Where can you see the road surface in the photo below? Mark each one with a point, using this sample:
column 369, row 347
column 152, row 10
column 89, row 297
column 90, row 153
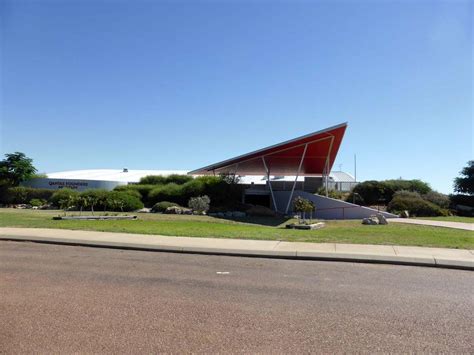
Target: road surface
column 63, row 299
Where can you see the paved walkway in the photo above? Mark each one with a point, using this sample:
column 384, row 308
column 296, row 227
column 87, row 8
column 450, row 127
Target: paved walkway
column 454, row 258
column 427, row 222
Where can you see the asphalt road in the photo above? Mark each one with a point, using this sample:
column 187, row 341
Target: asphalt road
column 66, row 299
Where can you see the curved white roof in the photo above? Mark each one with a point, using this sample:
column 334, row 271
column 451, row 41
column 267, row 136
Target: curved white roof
column 132, row 176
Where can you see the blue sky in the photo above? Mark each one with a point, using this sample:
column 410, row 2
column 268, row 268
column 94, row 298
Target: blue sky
column 179, row 85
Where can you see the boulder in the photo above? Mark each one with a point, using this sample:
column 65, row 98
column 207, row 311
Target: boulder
column 370, row 220
column 405, row 214
column 144, row 210
column 381, row 218
column 178, row 210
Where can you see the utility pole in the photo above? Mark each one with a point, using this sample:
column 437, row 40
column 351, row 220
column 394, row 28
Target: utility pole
column 355, row 167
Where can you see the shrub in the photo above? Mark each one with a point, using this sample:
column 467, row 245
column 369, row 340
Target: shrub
column 374, row 192
column 416, row 206
column 123, row 201
column 219, row 190
column 94, row 199
column 301, row 204
column 37, row 202
column 64, row 198
column 407, row 194
column 414, row 185
column 23, row 194
column 163, row 180
column 437, row 198
column 199, row 204
column 162, row 206
column 143, row 190
column 170, row 192
column 370, row 193
column 339, row 195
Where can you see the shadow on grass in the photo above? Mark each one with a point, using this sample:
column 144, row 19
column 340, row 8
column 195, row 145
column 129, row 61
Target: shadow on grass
column 262, row 221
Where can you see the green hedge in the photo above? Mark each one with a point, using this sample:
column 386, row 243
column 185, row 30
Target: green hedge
column 163, row 180
column 374, row 192
column 22, row 194
column 219, row 191
column 416, row 206
column 143, row 190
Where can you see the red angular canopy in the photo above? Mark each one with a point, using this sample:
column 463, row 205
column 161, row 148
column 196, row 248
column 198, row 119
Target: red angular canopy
column 316, row 152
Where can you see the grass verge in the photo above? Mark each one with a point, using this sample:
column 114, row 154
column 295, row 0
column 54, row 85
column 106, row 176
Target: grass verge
column 251, row 228
column 451, row 219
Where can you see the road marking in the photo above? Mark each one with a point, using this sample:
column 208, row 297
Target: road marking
column 222, row 272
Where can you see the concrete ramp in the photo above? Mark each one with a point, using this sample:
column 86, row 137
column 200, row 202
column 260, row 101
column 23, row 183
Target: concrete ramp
column 328, row 208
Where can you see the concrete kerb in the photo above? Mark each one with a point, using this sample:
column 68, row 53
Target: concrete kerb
column 427, row 261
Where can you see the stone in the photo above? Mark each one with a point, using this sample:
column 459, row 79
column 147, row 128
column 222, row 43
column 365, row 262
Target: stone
column 405, row 214
column 381, row 218
column 178, row 210
column 144, row 210
column 370, row 221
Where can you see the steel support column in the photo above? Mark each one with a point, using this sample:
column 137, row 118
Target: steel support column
column 326, row 167
column 269, row 183
column 296, row 178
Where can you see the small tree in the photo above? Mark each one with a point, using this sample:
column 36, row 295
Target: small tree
column 16, row 168
column 464, row 184
column 302, row 205
column 199, row 204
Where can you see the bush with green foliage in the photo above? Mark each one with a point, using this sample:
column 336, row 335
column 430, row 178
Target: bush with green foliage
column 302, row 205
column 163, row 180
column 37, row 202
column 161, row 207
column 23, row 194
column 220, row 191
column 123, row 201
column 64, row 198
column 143, row 190
column 374, row 192
column 415, row 205
column 199, row 204
column 437, row 198
column 414, row 185
column 169, row 192
column 336, row 194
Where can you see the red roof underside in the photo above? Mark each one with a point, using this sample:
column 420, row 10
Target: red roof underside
column 285, row 158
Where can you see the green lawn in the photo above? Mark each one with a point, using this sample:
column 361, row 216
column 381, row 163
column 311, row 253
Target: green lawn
column 451, row 219
column 251, row 228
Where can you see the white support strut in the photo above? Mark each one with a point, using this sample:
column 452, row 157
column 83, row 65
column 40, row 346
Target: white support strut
column 296, row 178
column 269, row 183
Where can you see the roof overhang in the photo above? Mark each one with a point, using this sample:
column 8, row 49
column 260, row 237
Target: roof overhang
column 311, row 154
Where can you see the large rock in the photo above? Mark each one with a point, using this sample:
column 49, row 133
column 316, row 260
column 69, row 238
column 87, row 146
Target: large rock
column 381, row 218
column 405, row 214
column 178, row 210
column 370, row 220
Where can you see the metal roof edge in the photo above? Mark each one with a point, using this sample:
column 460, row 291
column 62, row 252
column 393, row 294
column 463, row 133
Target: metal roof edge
column 211, row 166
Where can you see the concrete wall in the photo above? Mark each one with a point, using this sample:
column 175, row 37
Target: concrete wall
column 328, row 208
column 79, row 185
